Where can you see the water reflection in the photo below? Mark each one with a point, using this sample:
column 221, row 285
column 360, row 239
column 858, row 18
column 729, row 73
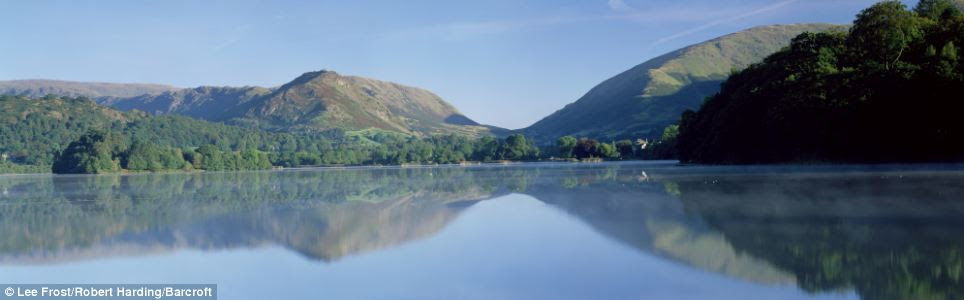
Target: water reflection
column 888, row 235
column 891, row 233
column 323, row 215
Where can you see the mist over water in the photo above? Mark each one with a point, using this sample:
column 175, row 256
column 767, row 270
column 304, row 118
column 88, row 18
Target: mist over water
column 563, row 231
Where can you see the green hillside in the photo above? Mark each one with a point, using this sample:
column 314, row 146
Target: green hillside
column 641, row 101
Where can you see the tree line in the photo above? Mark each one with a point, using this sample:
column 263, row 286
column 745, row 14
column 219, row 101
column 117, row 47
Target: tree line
column 99, row 152
column 77, row 135
column 569, row 147
column 397, row 149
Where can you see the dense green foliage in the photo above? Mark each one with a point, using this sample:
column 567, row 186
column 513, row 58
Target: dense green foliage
column 34, row 131
column 886, row 91
column 93, row 153
column 569, row 147
column 7, row 167
column 395, row 149
column 586, row 148
column 208, row 157
column 104, row 152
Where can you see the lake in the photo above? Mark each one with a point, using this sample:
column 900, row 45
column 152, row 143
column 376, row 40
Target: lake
column 640, row 230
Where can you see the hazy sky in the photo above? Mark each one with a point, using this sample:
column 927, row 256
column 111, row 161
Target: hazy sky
column 501, row 62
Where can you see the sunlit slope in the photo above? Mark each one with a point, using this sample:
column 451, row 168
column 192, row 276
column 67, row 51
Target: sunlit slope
column 315, row 101
column 641, row 101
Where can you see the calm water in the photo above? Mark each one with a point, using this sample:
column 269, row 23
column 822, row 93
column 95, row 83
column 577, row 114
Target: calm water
column 599, row 231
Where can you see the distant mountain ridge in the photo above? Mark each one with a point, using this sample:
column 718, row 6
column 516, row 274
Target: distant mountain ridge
column 641, row 101
column 94, row 90
column 206, row 102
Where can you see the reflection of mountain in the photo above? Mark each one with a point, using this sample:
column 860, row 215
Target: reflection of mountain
column 887, row 235
column 324, row 215
column 359, row 227
column 639, row 213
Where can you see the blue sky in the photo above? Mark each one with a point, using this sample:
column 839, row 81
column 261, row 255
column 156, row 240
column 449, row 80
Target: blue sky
column 501, row 62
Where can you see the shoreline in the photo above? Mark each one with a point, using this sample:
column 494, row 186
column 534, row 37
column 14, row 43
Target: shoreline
column 349, row 167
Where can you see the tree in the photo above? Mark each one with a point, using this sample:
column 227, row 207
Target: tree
column 935, row 9
column 172, row 159
column 515, row 147
column 92, row 153
column 565, row 146
column 670, row 133
column 607, row 150
column 882, row 33
column 586, row 148
column 626, row 149
column 211, row 158
column 488, row 149
column 143, row 156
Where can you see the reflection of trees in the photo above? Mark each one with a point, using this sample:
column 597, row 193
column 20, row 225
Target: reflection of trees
column 329, row 214
column 323, row 214
column 884, row 235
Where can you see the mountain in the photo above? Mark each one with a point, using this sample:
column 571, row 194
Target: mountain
column 325, row 100
column 95, row 90
column 315, row 101
column 641, row 101
column 206, row 102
